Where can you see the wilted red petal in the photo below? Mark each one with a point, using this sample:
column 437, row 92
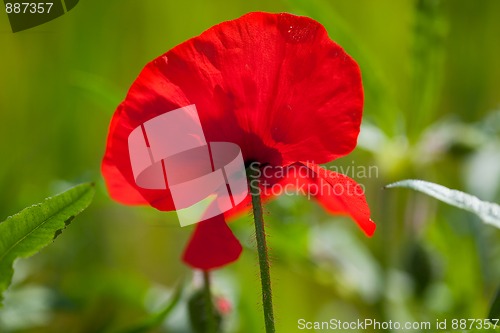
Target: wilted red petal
column 212, row 245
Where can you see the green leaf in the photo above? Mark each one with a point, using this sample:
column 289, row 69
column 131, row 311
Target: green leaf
column 489, row 212
column 159, row 317
column 27, row 232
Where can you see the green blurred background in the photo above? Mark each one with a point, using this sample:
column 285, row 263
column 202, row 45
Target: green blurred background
column 432, row 83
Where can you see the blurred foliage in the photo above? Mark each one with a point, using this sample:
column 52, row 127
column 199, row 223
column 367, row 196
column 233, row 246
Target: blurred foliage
column 203, row 316
column 432, row 85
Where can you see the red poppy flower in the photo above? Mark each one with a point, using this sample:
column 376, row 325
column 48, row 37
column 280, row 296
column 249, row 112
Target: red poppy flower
column 275, row 85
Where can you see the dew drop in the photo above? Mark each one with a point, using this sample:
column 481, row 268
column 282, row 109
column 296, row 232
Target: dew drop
column 302, row 30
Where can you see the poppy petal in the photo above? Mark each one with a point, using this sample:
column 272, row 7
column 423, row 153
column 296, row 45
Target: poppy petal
column 116, row 166
column 341, row 194
column 336, row 192
column 118, row 187
column 121, row 188
column 212, row 245
column 275, row 84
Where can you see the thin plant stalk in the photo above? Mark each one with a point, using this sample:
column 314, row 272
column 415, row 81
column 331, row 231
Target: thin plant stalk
column 260, row 233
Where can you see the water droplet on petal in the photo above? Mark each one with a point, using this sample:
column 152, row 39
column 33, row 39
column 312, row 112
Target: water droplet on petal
column 302, row 30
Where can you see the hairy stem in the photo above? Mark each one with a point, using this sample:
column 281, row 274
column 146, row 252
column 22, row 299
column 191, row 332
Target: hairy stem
column 265, row 276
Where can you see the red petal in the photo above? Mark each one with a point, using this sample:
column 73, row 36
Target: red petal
column 212, row 245
column 118, row 187
column 119, row 181
column 117, row 170
column 341, row 194
column 274, row 84
column 349, row 196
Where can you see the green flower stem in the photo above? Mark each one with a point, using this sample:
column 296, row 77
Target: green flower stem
column 265, row 276
column 209, row 307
